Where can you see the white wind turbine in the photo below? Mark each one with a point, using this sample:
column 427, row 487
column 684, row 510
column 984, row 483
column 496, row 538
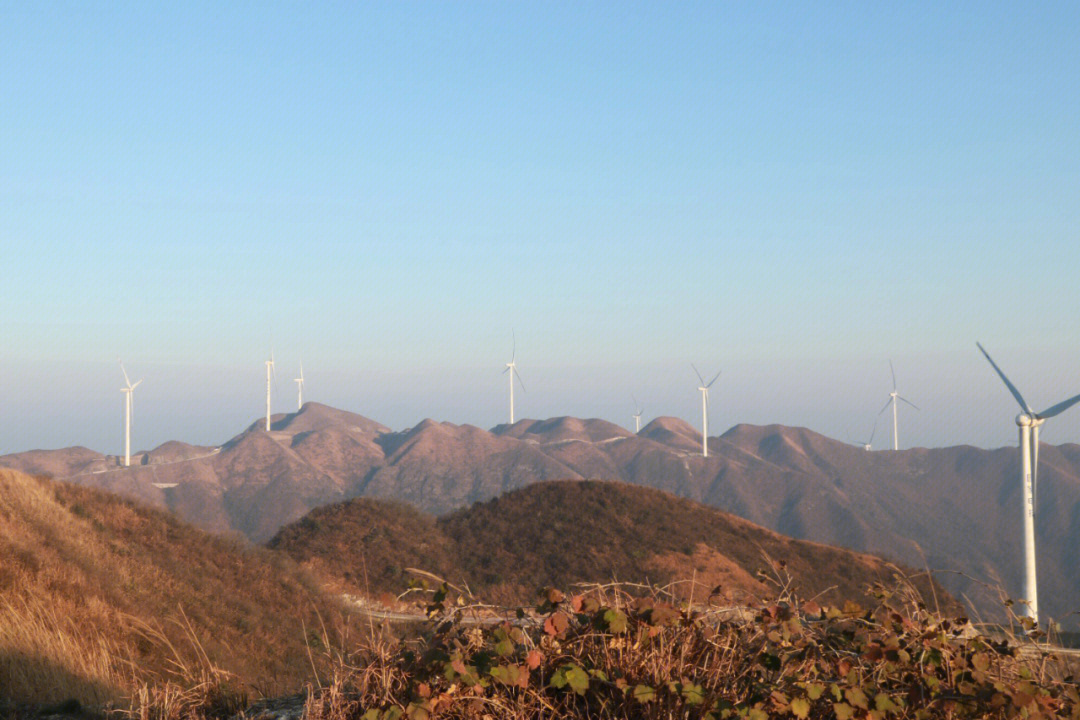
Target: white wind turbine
column 270, row 371
column 300, row 388
column 867, row 445
column 129, row 393
column 704, row 388
column 1029, row 422
column 511, row 367
column 637, row 415
column 893, row 397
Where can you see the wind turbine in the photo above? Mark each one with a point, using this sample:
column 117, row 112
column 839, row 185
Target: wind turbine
column 511, row 367
column 1029, row 422
column 893, row 397
column 866, row 445
column 129, row 393
column 300, row 388
column 704, row 388
column 270, row 370
column 637, row 415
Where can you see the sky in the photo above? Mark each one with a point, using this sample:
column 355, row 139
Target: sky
column 392, row 192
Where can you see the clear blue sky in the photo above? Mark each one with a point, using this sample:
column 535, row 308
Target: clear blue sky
column 792, row 193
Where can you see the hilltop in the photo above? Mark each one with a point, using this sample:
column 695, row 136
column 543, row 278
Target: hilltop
column 566, row 532
column 945, row 508
column 94, row 589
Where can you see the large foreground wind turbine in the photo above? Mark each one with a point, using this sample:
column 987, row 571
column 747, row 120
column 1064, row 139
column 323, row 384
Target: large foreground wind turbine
column 300, row 388
column 270, row 370
column 704, row 388
column 637, row 415
column 511, row 367
column 129, row 393
column 1029, row 421
column 893, row 397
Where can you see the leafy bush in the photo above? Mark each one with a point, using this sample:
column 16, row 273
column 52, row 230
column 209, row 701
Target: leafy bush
column 616, row 652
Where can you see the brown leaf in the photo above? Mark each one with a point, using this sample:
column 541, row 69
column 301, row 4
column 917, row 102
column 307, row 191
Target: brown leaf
column 556, row 624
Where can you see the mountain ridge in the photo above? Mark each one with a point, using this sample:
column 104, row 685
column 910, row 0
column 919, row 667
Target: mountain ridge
column 952, row 508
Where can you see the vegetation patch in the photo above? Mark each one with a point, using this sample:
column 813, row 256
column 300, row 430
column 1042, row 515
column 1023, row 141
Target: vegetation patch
column 616, row 652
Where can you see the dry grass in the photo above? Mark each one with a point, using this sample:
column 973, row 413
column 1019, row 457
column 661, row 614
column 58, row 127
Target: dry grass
column 40, row 649
column 99, row 596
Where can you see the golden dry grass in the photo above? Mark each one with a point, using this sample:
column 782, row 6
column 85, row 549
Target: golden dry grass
column 99, row 595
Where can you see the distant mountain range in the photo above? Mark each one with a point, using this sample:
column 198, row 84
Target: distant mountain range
column 954, row 508
column 560, row 533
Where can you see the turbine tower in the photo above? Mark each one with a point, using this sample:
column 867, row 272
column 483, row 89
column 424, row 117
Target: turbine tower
column 704, row 388
column 270, row 370
column 300, row 388
column 637, row 415
column 511, row 367
column 1029, row 421
column 893, row 397
column 129, row 393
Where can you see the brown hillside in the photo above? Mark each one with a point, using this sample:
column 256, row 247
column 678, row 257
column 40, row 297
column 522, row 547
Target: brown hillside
column 564, row 532
column 86, row 577
column 363, row 546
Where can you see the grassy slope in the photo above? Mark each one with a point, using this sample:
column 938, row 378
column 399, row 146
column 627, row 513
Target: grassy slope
column 93, row 589
column 364, row 545
column 559, row 533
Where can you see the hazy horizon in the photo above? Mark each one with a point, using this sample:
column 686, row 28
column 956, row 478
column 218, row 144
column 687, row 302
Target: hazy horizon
column 791, row 195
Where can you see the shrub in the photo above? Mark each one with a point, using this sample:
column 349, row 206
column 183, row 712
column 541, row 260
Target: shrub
column 614, row 651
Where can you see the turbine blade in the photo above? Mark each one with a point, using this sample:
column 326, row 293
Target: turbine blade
column 698, row 374
column 513, row 355
column 898, row 397
column 887, row 403
column 136, row 383
column 891, row 370
column 126, row 379
column 873, row 432
column 520, row 381
column 506, row 370
column 1059, row 408
column 713, row 380
column 1012, row 388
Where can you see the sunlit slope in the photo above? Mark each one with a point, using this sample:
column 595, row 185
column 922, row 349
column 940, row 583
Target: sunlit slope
column 92, row 586
column 566, row 532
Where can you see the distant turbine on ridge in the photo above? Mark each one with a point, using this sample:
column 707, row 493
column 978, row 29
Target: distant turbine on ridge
column 300, row 388
column 129, row 408
column 637, row 415
column 270, row 370
column 511, row 367
column 704, row 388
column 893, row 397
column 1029, row 421
column 866, row 445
